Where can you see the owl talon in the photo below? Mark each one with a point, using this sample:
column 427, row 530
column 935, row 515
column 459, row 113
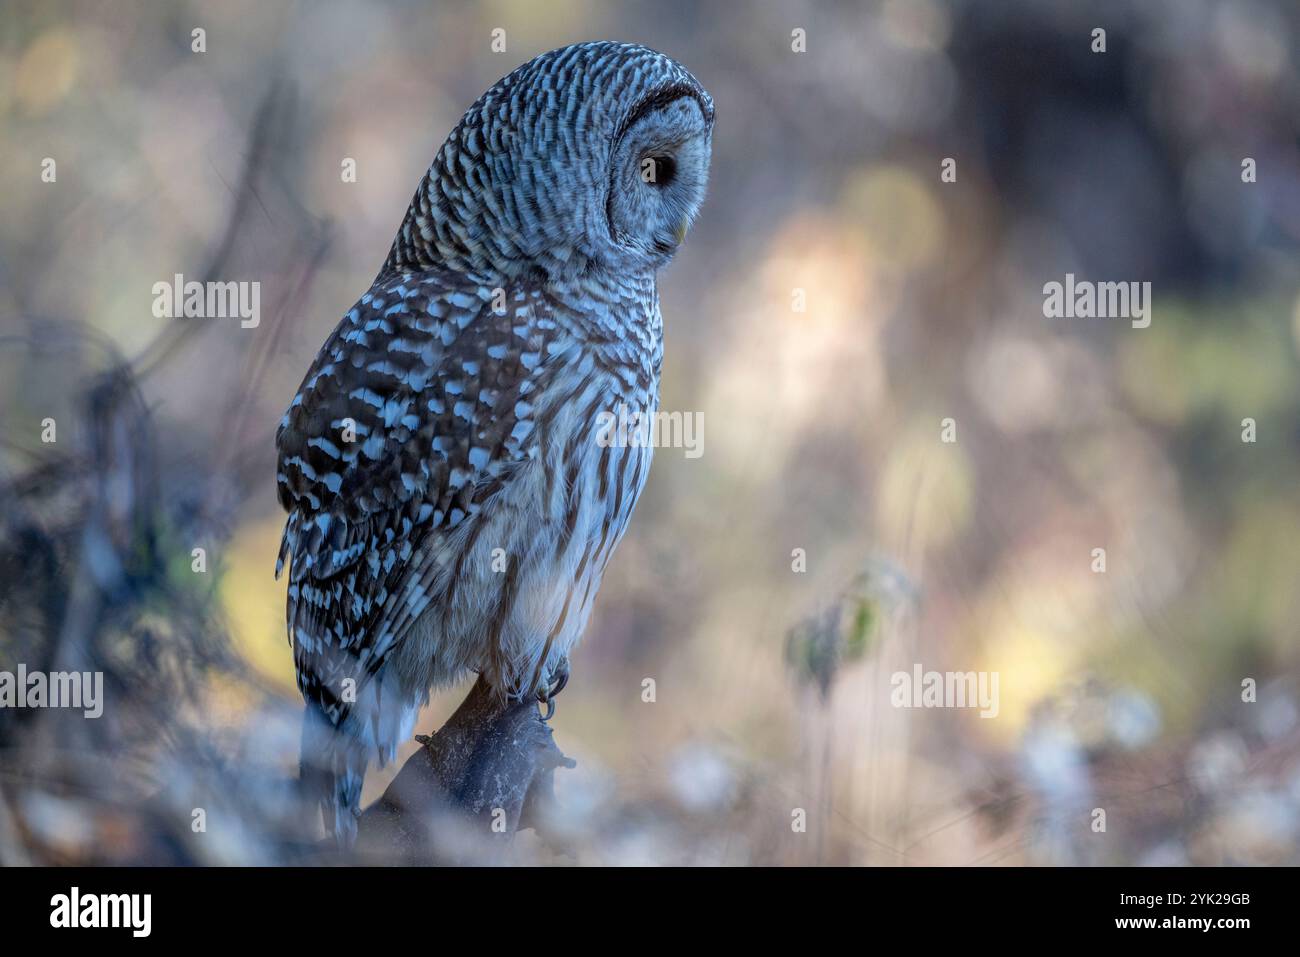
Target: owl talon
column 559, row 679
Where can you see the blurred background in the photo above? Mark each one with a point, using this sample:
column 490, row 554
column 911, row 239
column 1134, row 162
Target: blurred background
column 922, row 301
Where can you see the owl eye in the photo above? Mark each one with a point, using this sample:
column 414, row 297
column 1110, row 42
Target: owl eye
column 658, row 170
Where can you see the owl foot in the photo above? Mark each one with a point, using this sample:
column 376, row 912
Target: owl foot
column 559, row 677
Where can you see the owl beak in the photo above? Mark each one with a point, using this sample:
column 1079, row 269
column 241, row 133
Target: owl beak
column 680, row 232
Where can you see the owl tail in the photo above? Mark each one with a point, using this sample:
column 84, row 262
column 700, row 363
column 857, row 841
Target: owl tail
column 331, row 770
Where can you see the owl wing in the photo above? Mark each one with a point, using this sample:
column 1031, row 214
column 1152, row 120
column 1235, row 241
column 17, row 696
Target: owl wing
column 414, row 413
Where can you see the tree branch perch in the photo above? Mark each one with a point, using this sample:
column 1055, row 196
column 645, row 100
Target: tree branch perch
column 486, row 774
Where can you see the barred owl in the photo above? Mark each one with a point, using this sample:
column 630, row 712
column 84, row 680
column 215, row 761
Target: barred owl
column 451, row 504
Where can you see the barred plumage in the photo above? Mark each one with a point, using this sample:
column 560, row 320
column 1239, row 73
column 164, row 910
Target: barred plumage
column 450, row 506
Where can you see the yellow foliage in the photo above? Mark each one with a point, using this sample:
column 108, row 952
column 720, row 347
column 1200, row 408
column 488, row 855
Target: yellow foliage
column 253, row 600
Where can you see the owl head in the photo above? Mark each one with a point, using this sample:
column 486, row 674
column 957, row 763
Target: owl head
column 591, row 157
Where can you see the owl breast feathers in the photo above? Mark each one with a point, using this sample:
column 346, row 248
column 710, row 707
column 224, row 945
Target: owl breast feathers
column 451, row 506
